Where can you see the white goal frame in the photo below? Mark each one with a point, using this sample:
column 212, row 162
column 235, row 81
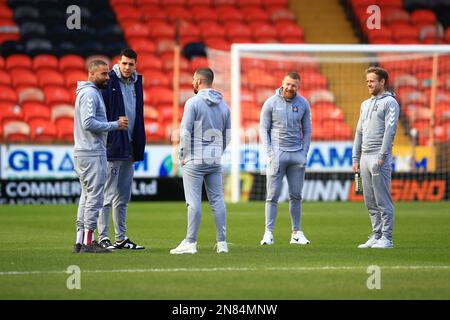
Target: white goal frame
column 238, row 49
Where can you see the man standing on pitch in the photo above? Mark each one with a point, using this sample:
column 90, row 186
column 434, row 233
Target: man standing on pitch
column 285, row 132
column 372, row 155
column 123, row 97
column 204, row 135
column 90, row 131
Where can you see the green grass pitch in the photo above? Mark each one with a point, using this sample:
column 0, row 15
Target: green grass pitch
column 36, row 244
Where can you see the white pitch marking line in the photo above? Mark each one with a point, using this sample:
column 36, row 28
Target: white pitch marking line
column 161, row 270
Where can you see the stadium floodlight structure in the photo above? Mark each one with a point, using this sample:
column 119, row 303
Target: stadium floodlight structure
column 326, row 54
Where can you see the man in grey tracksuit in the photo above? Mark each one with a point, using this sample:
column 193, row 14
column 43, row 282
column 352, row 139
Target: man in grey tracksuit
column 372, row 156
column 204, row 135
column 90, row 130
column 285, row 131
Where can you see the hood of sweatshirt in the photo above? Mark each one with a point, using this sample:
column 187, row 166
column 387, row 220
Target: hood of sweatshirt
column 211, row 96
column 279, row 92
column 116, row 69
column 384, row 95
column 85, row 84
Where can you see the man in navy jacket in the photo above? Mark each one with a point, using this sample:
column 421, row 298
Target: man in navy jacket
column 123, row 98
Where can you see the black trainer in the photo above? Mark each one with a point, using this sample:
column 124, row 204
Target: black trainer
column 127, row 244
column 105, row 243
column 76, row 248
column 95, row 247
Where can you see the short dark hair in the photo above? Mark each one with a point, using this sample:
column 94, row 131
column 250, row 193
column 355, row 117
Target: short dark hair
column 207, row 74
column 381, row 74
column 94, row 64
column 293, row 75
column 129, row 53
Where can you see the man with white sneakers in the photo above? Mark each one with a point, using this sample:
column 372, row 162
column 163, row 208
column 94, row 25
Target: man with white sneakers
column 372, row 156
column 204, row 135
column 285, row 131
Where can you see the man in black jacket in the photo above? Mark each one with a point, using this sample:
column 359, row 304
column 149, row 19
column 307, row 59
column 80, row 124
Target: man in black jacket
column 123, row 98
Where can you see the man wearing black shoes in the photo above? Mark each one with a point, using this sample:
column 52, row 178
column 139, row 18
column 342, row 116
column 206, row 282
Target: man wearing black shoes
column 123, row 97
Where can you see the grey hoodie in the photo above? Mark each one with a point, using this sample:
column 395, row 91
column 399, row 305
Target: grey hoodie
column 376, row 127
column 285, row 124
column 90, row 122
column 205, row 128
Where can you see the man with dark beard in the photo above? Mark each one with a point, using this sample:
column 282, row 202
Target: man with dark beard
column 90, row 132
column 204, row 135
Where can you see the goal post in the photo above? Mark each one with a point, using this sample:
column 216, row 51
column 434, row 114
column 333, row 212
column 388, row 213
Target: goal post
column 334, row 61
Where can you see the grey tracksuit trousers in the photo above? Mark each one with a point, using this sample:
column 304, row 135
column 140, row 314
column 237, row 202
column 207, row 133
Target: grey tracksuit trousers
column 292, row 164
column 193, row 177
column 376, row 183
column 92, row 174
column 117, row 195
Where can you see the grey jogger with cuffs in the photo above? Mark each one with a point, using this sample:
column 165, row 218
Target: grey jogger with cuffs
column 123, row 97
column 372, row 156
column 285, row 131
column 90, row 132
column 204, row 135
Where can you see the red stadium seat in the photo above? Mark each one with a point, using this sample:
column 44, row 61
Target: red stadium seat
column 254, row 14
column 152, row 13
column 35, row 110
column 50, row 77
column 150, row 114
column 155, row 78
column 174, row 2
column 236, row 30
column 177, row 12
column 406, row 34
column 42, row 130
column 136, row 30
column 149, row 61
column 160, row 95
column 390, row 4
column 18, row 61
column 142, row 46
column 197, row 3
column 161, row 30
column 30, row 95
column 7, row 94
column 252, row 3
column 23, row 78
column 263, row 30
column 62, row 111
column 198, row 62
column 281, row 15
column 211, row 30
column 378, row 36
column 64, row 128
column 56, row 95
column 230, row 14
column 146, row 2
column 10, row 112
column 2, row 62
column 71, row 61
column 168, row 61
column 423, row 17
column 222, row 3
column 45, row 61
column 128, row 14
column 154, row 131
column 219, row 44
column 72, row 77
column 16, row 131
column 5, row 79
column 204, row 14
column 189, row 32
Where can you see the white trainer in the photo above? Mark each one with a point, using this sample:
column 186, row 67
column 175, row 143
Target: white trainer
column 369, row 243
column 267, row 238
column 222, row 247
column 185, row 247
column 383, row 243
column 299, row 238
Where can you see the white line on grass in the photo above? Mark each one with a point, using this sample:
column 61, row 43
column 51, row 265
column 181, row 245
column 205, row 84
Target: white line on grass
column 168, row 270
